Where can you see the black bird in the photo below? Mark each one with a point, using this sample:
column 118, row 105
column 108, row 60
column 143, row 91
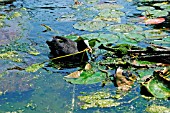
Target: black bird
column 61, row 46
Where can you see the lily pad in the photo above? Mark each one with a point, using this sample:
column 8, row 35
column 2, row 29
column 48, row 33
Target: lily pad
column 91, row 1
column 108, row 6
column 124, row 28
column 155, row 34
column 87, row 77
column 166, row 7
column 110, row 15
column 145, row 8
column 156, row 13
column 90, row 25
column 103, row 38
column 133, row 37
column 158, row 86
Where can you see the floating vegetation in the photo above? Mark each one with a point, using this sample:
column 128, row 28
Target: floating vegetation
column 87, row 77
column 34, row 67
column 124, row 28
column 145, row 8
column 90, row 25
column 109, row 15
column 11, row 55
column 98, row 99
column 108, row 6
column 33, row 51
column 157, row 85
column 157, row 109
column 102, row 37
column 155, row 13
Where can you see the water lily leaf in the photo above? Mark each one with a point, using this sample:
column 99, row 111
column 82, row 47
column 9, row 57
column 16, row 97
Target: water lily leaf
column 160, row 4
column 166, row 7
column 108, row 6
column 110, row 15
column 91, row 1
column 87, row 77
column 145, row 8
column 34, row 67
column 133, row 37
column 124, row 28
column 89, row 25
column 156, row 13
column 103, row 38
column 155, row 34
column 157, row 86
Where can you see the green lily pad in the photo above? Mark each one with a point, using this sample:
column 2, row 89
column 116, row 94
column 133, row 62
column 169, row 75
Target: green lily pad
column 159, row 4
column 87, row 77
column 90, row 25
column 166, row 7
column 108, row 6
column 124, row 28
column 110, row 15
column 158, row 86
column 145, row 8
column 155, row 34
column 133, row 37
column 103, row 38
column 91, row 1
column 156, row 13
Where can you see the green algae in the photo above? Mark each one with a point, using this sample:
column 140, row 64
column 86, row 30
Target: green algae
column 157, row 109
column 98, row 99
column 11, row 55
column 34, row 67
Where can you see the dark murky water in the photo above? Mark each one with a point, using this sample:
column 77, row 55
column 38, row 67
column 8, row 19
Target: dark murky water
column 45, row 90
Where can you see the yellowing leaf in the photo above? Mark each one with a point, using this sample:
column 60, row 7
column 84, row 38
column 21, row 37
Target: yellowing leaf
column 75, row 74
column 88, row 66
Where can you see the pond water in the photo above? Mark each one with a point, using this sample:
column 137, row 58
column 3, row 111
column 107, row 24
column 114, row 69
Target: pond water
column 45, row 91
